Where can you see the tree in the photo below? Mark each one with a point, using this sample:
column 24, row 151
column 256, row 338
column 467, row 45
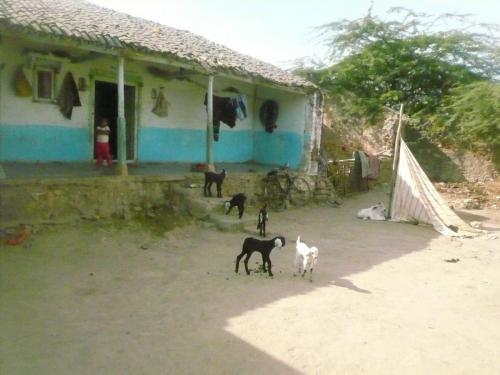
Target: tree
column 470, row 118
column 409, row 59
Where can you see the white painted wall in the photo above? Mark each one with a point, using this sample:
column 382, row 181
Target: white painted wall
column 23, row 111
column 292, row 110
column 186, row 99
column 186, row 109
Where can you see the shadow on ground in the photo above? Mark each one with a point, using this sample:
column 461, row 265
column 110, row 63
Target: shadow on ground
column 100, row 299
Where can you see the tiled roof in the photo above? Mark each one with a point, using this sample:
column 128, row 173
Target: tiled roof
column 89, row 23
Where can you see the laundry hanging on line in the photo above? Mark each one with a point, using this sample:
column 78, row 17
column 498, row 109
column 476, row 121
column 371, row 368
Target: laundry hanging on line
column 241, row 106
column 227, row 110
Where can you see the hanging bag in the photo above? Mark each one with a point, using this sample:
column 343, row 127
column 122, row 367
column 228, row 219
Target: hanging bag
column 22, row 87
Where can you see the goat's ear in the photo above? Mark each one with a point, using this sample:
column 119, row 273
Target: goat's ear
column 278, row 243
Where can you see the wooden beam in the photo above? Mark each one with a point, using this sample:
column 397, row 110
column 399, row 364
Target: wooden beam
column 196, row 69
column 122, row 126
column 210, row 123
column 395, row 161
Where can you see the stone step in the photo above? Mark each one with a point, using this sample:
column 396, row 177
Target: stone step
column 211, row 211
column 231, row 223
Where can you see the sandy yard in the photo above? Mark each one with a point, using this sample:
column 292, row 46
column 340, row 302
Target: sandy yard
column 99, row 299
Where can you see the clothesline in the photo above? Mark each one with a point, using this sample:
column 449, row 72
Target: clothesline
column 223, row 91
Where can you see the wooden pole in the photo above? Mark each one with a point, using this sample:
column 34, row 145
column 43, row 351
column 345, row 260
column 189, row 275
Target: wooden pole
column 2, row 172
column 395, row 161
column 122, row 126
column 312, row 134
column 210, row 121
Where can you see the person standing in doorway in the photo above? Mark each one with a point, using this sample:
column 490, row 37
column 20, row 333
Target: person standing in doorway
column 102, row 132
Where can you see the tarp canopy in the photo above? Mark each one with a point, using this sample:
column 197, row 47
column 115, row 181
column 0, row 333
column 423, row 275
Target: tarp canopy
column 415, row 199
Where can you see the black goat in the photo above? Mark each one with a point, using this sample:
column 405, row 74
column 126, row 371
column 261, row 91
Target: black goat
column 263, row 218
column 237, row 201
column 264, row 247
column 210, row 178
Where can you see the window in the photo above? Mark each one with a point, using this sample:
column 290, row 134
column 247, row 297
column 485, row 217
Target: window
column 44, row 89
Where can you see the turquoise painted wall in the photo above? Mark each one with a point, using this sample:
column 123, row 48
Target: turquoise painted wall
column 58, row 143
column 31, row 131
column 44, row 143
column 188, row 145
column 278, row 148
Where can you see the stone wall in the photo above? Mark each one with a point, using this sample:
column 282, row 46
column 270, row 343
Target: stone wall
column 341, row 136
column 65, row 200
column 61, row 200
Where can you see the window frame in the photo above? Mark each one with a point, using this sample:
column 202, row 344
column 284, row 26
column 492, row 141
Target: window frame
column 52, row 72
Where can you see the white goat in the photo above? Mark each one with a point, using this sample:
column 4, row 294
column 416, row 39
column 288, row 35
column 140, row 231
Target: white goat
column 305, row 258
column 377, row 212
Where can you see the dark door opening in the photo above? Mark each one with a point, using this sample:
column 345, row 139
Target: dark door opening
column 106, row 106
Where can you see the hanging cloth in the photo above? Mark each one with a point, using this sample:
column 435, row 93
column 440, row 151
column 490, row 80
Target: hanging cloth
column 241, row 106
column 160, row 108
column 68, row 96
column 224, row 109
column 22, row 86
column 359, row 172
column 416, row 198
column 365, row 164
column 269, row 112
column 374, row 168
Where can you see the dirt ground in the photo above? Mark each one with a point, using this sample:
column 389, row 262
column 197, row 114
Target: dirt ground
column 100, row 299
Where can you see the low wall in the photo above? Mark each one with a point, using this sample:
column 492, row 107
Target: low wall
column 65, row 200
column 71, row 200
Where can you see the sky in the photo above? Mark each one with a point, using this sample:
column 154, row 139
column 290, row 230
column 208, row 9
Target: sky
column 281, row 31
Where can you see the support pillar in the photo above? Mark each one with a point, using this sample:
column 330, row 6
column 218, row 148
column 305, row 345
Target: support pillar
column 2, row 172
column 313, row 126
column 210, row 128
column 121, row 123
column 395, row 160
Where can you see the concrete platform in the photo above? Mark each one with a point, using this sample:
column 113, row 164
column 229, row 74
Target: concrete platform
column 14, row 170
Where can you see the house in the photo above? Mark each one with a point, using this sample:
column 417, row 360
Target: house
column 151, row 82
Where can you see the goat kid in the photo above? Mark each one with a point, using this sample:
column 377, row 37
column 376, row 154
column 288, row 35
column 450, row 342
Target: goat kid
column 210, row 178
column 264, row 247
column 305, row 258
column 261, row 223
column 237, row 201
column 376, row 212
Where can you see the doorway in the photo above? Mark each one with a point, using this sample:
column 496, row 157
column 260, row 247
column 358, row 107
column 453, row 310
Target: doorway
column 106, row 106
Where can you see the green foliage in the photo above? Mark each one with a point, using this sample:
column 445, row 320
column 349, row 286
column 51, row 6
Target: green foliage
column 410, row 59
column 383, row 63
column 388, row 74
column 417, row 34
column 469, row 117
